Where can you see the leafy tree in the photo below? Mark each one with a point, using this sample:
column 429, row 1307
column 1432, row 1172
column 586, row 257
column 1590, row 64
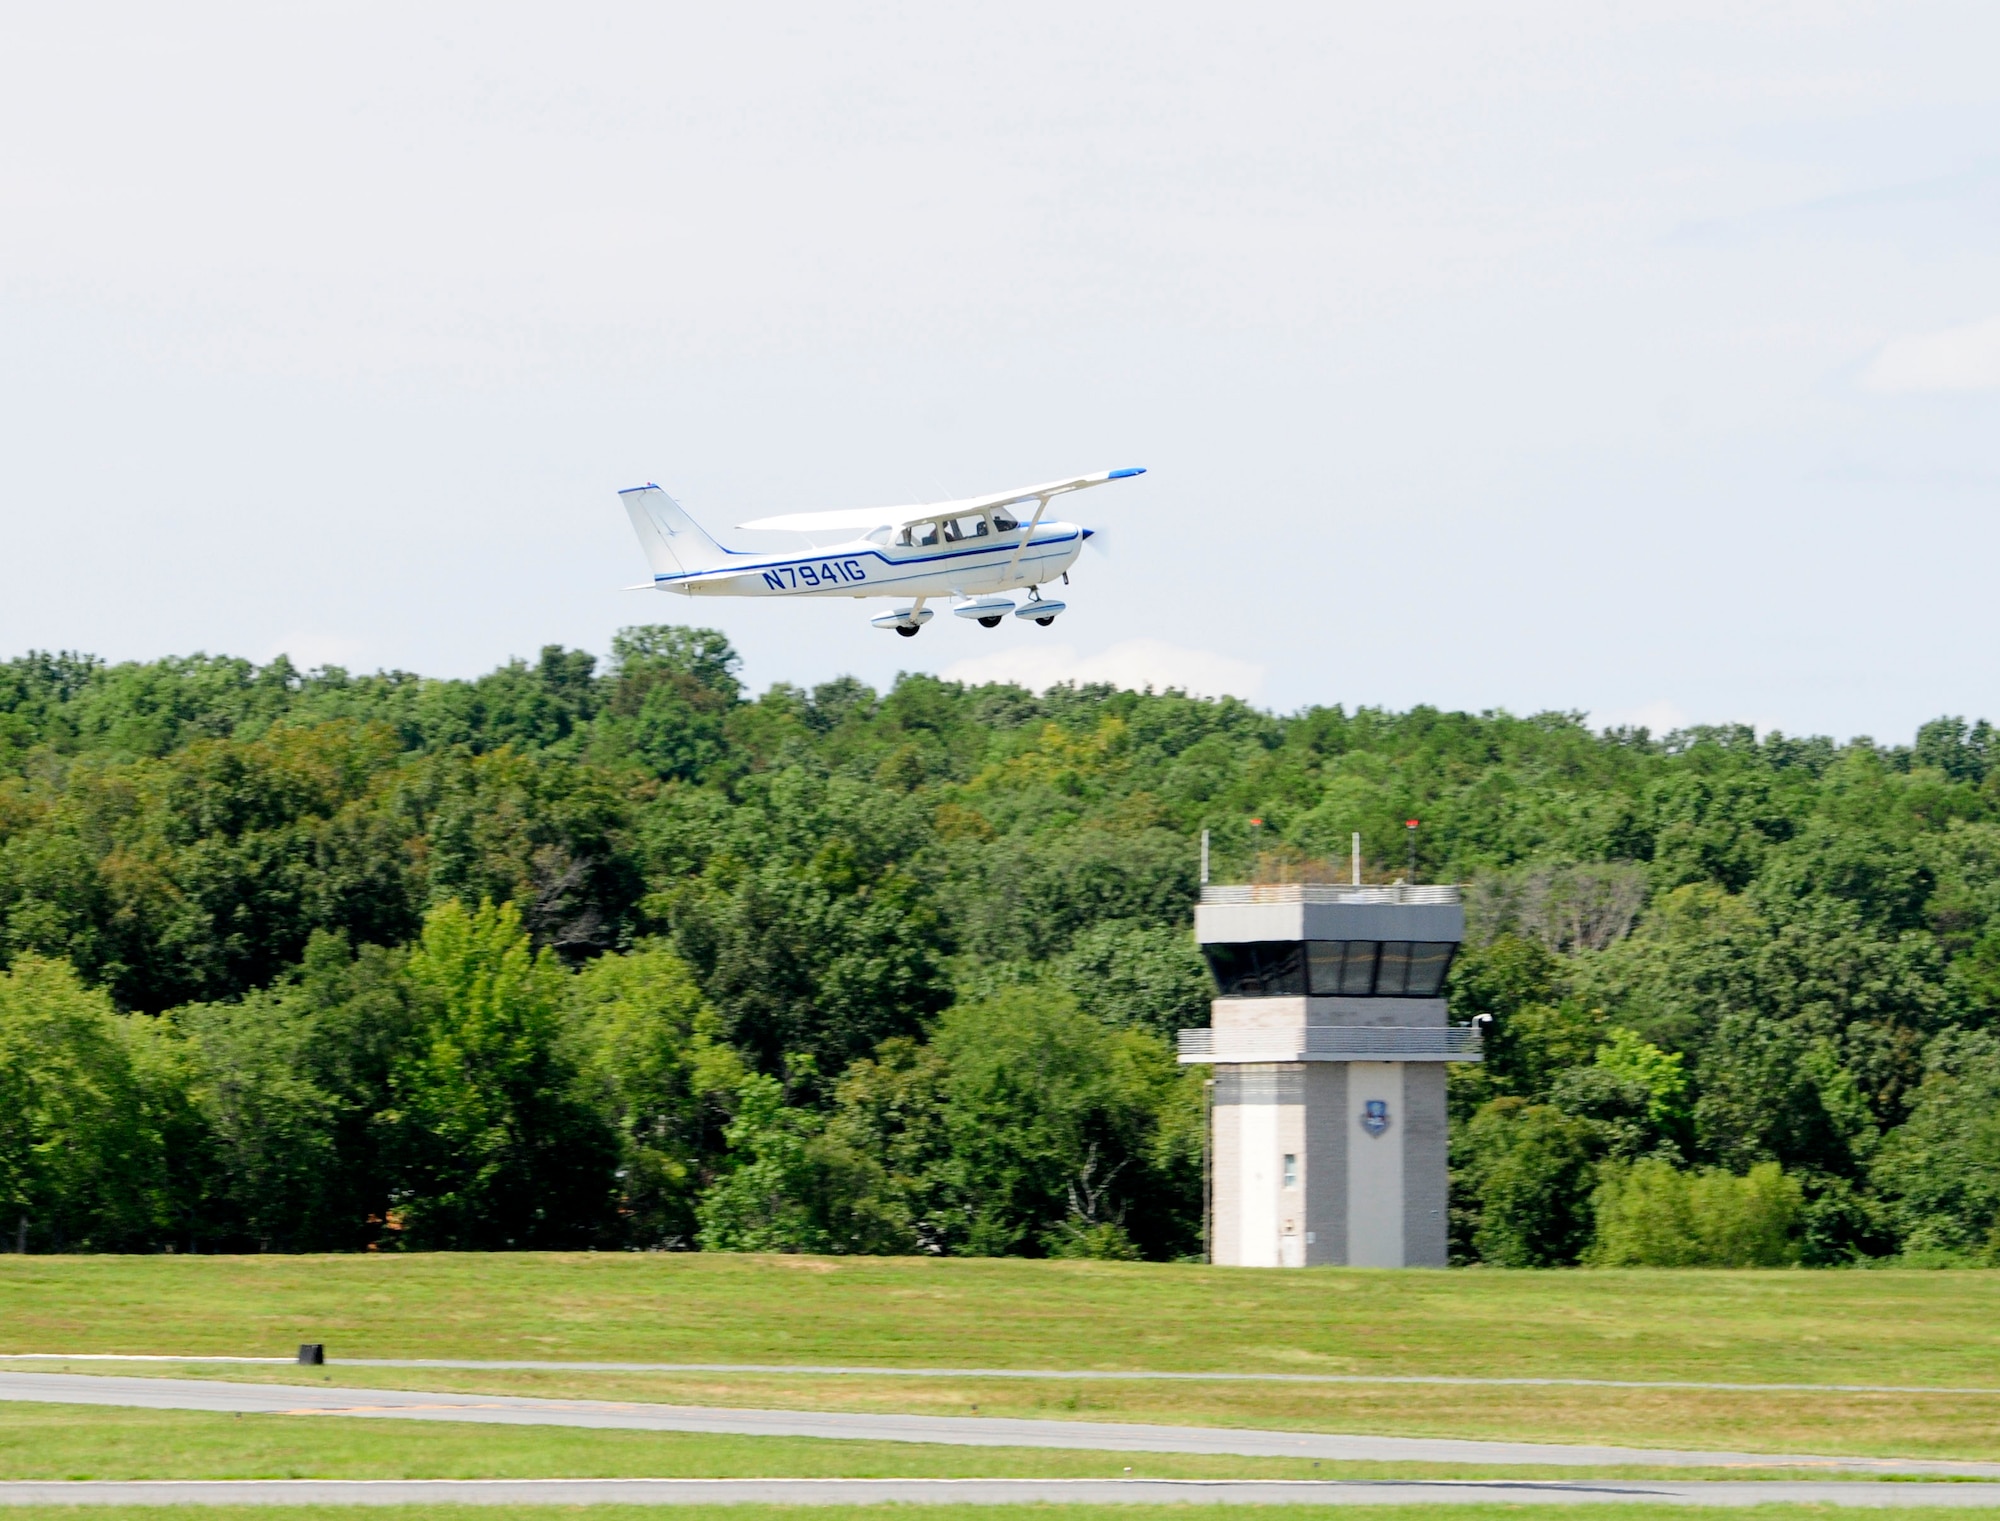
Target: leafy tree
column 824, row 960
column 83, row 1142
column 885, row 1173
column 1131, row 972
column 1662, row 1074
column 1522, row 1179
column 1715, row 826
column 1974, row 978
column 1710, row 948
column 1964, row 755
column 1772, row 1094
column 361, row 1018
column 546, row 835
column 767, row 1201
column 494, row 1146
column 671, row 689
column 1649, row 1214
column 1053, row 1122
column 645, row 1045
column 271, row 1129
column 1940, row 1173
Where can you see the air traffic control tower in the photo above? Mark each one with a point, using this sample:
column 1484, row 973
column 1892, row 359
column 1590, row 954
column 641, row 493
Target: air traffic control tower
column 1329, row 1038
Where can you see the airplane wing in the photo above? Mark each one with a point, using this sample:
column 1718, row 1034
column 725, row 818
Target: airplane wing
column 1034, row 493
column 862, row 520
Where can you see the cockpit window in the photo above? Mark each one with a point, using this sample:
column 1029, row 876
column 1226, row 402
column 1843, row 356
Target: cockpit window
column 1005, row 522
column 926, row 533
column 956, row 529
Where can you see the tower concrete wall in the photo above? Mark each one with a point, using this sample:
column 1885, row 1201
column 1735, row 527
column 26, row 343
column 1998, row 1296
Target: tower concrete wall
column 1426, row 1167
column 1329, row 1133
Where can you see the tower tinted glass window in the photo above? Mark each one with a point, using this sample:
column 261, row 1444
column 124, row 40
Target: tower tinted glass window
column 1258, row 969
column 1392, row 973
column 1429, row 961
column 1357, row 974
column 1330, row 968
column 1342, row 968
column 1281, row 967
column 1323, row 958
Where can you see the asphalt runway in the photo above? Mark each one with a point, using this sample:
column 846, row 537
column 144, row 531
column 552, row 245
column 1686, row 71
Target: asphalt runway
column 975, row 1492
column 862, row 1370
column 961, row 1431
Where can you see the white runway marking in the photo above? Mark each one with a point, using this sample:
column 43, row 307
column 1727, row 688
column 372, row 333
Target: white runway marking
column 960, row 1431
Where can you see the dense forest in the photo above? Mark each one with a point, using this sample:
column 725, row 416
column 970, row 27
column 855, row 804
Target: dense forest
column 614, row 955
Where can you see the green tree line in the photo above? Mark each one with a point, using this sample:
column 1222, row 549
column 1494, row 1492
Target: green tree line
column 615, row 954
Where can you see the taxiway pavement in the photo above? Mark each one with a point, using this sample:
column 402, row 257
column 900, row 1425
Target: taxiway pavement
column 325, row 1399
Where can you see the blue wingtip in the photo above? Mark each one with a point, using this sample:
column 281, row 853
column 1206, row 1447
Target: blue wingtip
column 1119, row 475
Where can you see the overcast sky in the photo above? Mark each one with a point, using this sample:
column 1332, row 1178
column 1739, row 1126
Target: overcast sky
column 1642, row 360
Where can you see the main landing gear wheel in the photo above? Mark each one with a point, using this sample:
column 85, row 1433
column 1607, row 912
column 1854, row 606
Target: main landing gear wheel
column 993, row 622
column 1042, row 622
column 904, row 620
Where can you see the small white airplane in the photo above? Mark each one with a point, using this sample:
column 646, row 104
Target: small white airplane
column 972, row 551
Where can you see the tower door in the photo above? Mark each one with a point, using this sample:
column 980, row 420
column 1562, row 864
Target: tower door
column 1291, row 1246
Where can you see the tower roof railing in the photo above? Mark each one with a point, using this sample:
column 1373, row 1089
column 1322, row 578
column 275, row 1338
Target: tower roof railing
column 1338, row 1043
column 1330, row 892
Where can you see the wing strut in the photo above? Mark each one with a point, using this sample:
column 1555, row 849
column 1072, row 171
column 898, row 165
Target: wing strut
column 1041, row 506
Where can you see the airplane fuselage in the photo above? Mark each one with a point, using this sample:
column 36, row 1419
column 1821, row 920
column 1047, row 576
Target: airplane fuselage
column 864, row 568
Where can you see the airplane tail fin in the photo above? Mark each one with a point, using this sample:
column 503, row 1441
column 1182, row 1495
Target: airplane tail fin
column 675, row 544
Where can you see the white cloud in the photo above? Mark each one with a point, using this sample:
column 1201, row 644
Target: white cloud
column 1134, row 663
column 1956, row 359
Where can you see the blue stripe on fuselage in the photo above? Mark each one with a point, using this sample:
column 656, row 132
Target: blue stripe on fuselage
column 916, row 563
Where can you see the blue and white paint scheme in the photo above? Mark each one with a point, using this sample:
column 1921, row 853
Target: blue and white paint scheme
column 974, row 552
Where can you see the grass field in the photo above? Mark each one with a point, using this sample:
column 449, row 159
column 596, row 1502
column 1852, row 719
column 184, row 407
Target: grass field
column 1916, row 1328
column 1940, row 1328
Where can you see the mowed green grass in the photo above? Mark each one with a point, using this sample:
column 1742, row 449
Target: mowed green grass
column 1915, row 1328
column 1932, row 1328
column 84, row 1442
